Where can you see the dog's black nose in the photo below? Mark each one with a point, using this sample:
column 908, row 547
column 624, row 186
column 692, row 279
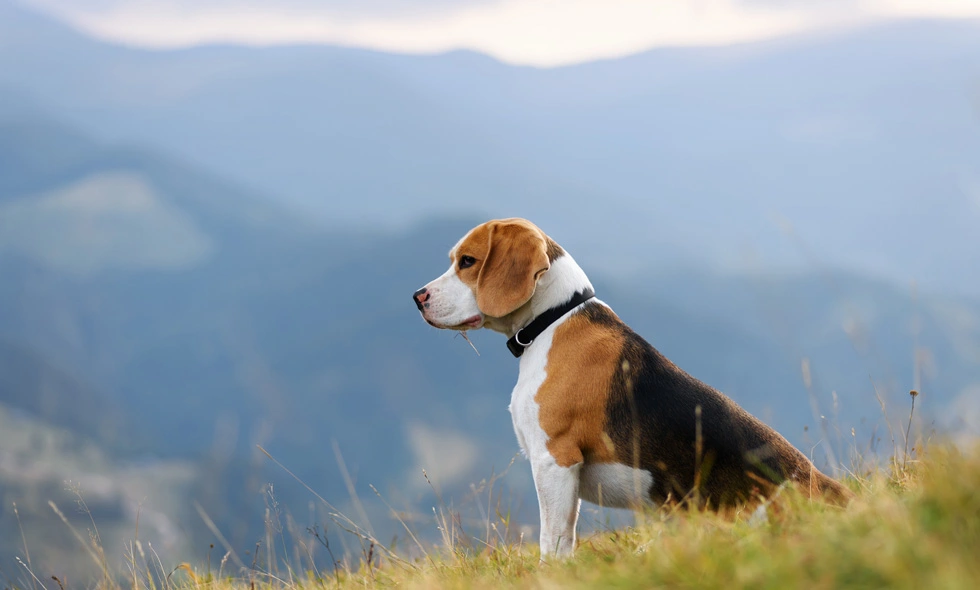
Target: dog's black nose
column 420, row 297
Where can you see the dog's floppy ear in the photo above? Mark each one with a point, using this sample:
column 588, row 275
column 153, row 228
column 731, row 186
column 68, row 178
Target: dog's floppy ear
column 516, row 258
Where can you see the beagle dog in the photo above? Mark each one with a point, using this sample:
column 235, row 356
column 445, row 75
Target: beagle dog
column 600, row 413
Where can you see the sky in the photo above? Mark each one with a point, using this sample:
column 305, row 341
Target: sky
column 530, row 32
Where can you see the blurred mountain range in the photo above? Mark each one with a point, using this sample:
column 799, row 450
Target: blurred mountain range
column 863, row 142
column 206, row 250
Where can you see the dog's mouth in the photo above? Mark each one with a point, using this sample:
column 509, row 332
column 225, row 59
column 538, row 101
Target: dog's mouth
column 469, row 324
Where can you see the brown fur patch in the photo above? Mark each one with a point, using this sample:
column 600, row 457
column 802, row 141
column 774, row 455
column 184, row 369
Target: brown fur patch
column 553, row 249
column 511, row 255
column 572, row 400
column 477, row 245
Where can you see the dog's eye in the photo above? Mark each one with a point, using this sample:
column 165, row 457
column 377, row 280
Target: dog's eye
column 466, row 261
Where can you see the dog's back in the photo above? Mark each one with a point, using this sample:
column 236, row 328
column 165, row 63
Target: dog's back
column 695, row 441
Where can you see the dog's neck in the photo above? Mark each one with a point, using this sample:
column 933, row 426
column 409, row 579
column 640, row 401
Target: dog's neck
column 555, row 287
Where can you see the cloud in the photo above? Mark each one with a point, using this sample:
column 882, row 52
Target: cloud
column 533, row 32
column 538, row 32
column 797, row 3
column 345, row 9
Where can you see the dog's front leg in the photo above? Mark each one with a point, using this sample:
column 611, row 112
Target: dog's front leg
column 558, row 502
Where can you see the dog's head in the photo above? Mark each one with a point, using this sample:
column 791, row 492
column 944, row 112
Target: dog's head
column 493, row 273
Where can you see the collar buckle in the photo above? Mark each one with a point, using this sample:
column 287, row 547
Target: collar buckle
column 517, row 339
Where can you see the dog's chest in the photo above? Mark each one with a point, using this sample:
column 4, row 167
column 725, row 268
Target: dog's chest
column 524, row 407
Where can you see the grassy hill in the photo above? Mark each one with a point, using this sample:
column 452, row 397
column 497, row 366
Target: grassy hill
column 913, row 524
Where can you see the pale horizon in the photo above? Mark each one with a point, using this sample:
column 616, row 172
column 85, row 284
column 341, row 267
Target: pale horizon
column 541, row 33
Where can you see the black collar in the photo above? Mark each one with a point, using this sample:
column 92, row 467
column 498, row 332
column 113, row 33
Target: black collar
column 526, row 335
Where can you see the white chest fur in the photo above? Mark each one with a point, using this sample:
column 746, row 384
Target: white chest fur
column 523, row 407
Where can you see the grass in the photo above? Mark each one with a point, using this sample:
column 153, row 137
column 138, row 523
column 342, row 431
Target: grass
column 914, row 524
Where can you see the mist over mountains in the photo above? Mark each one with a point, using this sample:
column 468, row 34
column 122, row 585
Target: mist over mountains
column 209, row 249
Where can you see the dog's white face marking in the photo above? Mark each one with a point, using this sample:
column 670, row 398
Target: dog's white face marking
column 451, row 303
